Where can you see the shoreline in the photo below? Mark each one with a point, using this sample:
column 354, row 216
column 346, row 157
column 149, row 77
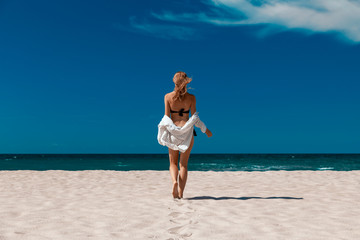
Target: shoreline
column 107, row 204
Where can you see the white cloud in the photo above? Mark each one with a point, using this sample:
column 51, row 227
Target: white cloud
column 341, row 16
column 166, row 31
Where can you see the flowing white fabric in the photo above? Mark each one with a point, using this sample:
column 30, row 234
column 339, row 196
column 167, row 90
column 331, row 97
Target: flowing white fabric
column 178, row 138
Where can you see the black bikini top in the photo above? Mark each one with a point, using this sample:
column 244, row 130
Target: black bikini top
column 180, row 112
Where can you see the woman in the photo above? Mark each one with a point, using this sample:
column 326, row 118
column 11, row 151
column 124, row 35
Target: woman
column 177, row 132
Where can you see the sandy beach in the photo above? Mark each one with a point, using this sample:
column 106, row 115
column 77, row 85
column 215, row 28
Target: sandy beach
column 102, row 205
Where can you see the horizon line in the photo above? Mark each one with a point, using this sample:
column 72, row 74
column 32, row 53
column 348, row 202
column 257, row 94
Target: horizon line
column 163, row 153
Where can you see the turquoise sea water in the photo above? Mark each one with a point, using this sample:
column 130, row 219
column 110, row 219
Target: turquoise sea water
column 197, row 162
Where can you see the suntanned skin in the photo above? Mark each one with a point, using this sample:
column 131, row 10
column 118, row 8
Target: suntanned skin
column 188, row 102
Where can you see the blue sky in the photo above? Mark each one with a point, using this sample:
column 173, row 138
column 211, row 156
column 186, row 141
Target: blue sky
column 90, row 77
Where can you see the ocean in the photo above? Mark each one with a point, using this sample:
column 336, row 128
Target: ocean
column 197, row 162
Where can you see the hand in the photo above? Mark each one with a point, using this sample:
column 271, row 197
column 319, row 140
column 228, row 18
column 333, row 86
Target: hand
column 208, row 133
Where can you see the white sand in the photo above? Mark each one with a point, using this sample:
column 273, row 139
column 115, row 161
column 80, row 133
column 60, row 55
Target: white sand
column 102, row 205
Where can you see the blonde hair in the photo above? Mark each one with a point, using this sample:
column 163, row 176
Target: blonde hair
column 181, row 80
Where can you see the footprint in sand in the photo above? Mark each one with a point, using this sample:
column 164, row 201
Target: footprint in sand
column 181, row 217
column 174, row 214
column 175, row 230
column 178, row 230
column 186, row 235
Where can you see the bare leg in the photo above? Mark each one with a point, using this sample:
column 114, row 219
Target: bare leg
column 174, row 158
column 184, row 157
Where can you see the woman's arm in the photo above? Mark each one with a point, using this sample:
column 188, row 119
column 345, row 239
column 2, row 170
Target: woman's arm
column 193, row 110
column 208, row 132
column 193, row 105
column 167, row 106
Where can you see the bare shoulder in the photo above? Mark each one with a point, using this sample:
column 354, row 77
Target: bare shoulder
column 168, row 95
column 192, row 97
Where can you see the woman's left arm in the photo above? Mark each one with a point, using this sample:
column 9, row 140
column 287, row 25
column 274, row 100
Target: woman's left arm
column 167, row 106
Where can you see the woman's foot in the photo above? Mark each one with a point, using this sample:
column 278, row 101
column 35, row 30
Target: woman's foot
column 180, row 194
column 175, row 190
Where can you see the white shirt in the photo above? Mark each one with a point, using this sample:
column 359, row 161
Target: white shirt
column 178, row 138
